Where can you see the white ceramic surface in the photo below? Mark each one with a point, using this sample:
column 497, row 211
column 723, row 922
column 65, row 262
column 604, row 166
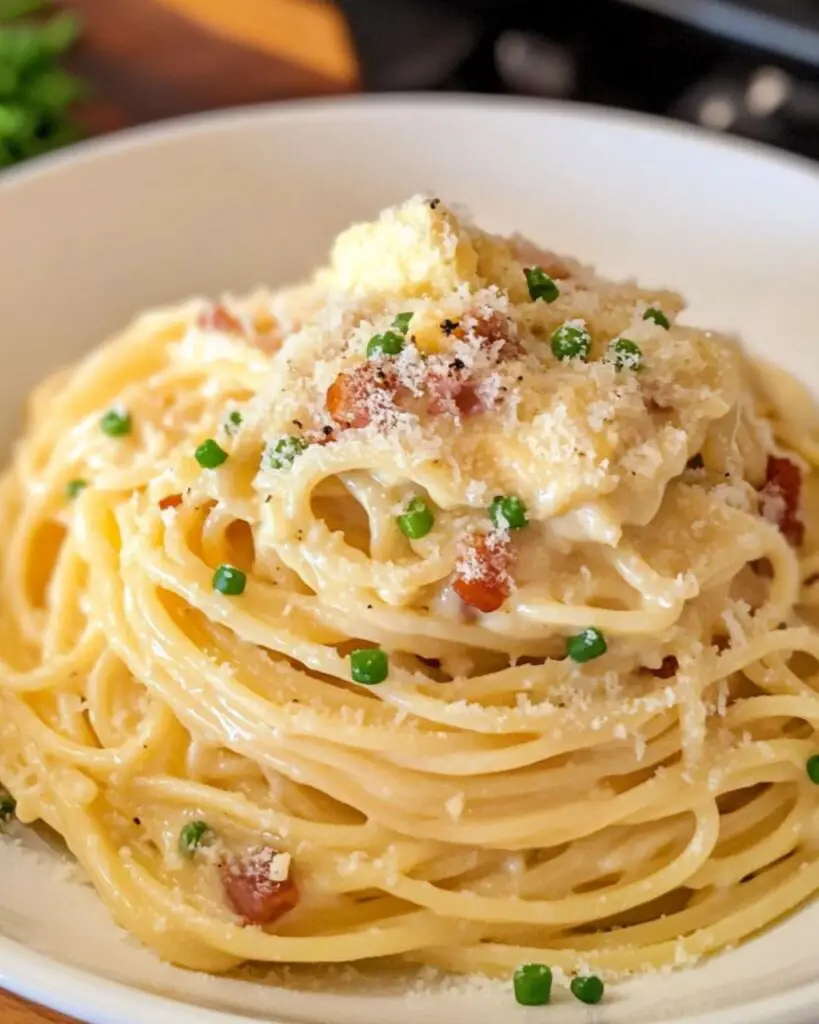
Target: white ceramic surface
column 232, row 200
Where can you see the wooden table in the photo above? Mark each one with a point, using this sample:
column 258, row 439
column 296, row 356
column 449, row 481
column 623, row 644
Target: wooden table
column 15, row 1011
column 149, row 59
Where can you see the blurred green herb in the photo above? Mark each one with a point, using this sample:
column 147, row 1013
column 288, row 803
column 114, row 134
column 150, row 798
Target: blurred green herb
column 36, row 95
column 17, row 8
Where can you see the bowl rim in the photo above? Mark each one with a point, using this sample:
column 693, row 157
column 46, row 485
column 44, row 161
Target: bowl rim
column 95, row 999
column 141, row 136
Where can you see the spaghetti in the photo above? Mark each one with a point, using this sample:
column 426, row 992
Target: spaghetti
column 455, row 606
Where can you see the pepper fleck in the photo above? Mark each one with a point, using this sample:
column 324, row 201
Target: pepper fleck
column 449, row 326
column 8, row 807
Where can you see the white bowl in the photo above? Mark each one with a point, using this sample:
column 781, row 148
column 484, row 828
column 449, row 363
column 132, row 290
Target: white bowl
column 228, row 201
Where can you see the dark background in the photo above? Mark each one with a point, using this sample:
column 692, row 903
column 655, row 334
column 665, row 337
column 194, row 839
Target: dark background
column 746, row 66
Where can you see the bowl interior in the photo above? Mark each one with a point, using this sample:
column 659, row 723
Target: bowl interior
column 227, row 202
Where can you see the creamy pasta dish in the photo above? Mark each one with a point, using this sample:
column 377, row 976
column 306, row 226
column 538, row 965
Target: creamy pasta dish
column 455, row 606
